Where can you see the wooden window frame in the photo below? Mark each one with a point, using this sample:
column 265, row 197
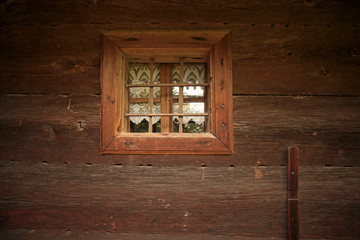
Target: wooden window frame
column 165, row 46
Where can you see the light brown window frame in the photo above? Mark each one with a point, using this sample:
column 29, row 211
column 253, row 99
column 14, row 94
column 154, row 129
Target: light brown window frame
column 165, row 46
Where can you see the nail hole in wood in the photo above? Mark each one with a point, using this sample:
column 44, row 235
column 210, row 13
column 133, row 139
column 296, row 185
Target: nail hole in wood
column 117, row 164
column 231, row 165
column 130, row 39
column 145, row 165
column 88, row 164
column 203, row 165
column 199, row 38
column 324, row 71
column 45, row 162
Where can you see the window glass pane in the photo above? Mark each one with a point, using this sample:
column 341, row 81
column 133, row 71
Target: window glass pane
column 140, row 74
column 191, row 124
column 191, row 107
column 156, row 120
column 156, row 126
column 139, row 127
column 194, row 73
column 141, row 123
column 194, row 127
column 176, row 124
column 190, row 92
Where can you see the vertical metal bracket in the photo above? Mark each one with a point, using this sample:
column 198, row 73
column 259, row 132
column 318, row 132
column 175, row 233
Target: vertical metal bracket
column 293, row 185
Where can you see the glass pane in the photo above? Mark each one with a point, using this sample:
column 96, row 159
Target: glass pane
column 194, row 127
column 140, row 74
column 141, row 123
column 176, row 124
column 192, row 107
column 157, row 109
column 139, row 92
column 191, row 124
column 157, row 92
column 193, row 74
column 156, row 126
column 156, row 79
column 142, row 126
column 189, row 92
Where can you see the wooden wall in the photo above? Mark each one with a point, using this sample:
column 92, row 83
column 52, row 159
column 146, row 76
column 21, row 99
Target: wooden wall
column 296, row 82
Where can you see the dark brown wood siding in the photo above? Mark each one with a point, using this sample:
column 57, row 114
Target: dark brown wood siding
column 296, row 83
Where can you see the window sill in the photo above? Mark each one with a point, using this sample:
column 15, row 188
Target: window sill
column 160, row 143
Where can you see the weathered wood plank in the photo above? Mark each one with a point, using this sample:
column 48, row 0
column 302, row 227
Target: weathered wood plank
column 29, row 234
column 236, row 201
column 109, row 12
column 62, row 128
column 329, row 197
column 267, row 58
column 175, row 200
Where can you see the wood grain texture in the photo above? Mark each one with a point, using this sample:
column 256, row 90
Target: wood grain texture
column 213, row 201
column 92, row 235
column 329, row 197
column 227, row 201
column 222, row 106
column 297, row 49
column 62, row 128
column 292, row 193
column 54, row 184
column 196, row 12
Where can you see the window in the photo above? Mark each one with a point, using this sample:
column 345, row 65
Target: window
column 166, row 92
